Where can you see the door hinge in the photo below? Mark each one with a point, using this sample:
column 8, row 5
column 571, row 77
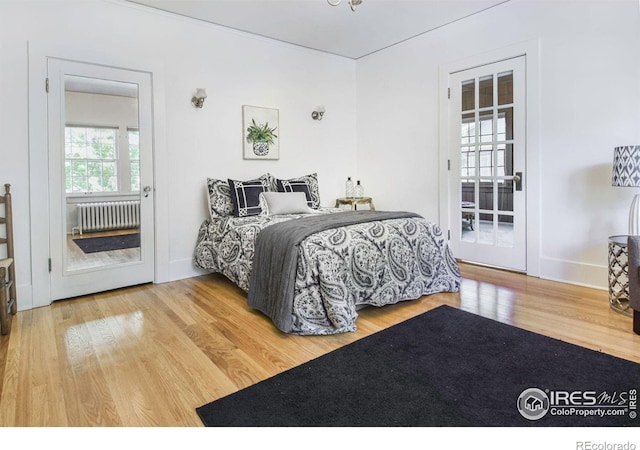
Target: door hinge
column 448, row 92
column 46, row 85
column 448, row 235
column 49, row 264
column 448, row 164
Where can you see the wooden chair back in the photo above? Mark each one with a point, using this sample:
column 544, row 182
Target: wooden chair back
column 7, row 219
column 8, row 298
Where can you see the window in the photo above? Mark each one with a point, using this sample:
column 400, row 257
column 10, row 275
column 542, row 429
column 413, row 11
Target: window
column 91, row 159
column 134, row 158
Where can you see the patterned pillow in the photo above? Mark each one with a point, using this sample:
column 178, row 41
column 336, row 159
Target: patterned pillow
column 220, row 204
column 245, row 196
column 273, row 182
column 307, row 184
column 219, row 198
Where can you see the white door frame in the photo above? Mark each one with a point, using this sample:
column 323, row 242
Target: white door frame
column 38, row 52
column 531, row 52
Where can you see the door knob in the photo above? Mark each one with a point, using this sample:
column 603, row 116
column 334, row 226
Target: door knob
column 517, row 178
column 146, row 190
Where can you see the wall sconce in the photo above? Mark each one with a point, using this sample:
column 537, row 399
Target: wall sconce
column 352, row 3
column 198, row 98
column 318, row 113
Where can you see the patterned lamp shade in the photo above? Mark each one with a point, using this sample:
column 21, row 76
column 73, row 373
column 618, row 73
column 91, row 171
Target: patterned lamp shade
column 626, row 166
column 626, row 173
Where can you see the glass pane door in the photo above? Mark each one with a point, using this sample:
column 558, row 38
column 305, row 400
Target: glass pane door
column 487, row 142
column 486, row 160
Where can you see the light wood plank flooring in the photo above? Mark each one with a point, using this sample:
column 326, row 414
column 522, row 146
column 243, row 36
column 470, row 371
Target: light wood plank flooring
column 149, row 355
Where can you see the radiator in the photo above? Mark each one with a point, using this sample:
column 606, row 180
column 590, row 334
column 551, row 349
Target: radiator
column 108, row 215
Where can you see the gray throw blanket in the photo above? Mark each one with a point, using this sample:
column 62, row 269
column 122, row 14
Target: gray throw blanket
column 276, row 254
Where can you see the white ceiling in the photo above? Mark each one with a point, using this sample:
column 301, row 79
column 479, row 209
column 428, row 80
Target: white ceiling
column 376, row 24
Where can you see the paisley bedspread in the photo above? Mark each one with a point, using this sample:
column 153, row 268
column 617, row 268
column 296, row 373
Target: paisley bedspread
column 339, row 270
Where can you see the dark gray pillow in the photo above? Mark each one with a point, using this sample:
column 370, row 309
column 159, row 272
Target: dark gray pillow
column 245, row 196
column 307, row 184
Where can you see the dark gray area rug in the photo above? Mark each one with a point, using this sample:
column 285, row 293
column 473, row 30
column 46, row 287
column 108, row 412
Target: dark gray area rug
column 446, row 367
column 108, row 243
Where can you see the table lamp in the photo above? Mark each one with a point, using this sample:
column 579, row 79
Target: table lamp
column 626, row 173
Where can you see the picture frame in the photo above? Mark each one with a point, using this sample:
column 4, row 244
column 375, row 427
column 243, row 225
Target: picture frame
column 260, row 132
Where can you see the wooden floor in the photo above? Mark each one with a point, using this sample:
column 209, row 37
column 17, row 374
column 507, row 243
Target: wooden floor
column 149, row 355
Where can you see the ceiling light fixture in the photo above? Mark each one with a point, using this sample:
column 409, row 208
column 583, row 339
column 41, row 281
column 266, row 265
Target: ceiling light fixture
column 352, row 3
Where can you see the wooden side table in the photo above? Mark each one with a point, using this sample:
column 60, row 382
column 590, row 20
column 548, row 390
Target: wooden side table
column 353, row 202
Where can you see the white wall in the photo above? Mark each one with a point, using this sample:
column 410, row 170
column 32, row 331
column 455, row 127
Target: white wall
column 191, row 144
column 589, row 101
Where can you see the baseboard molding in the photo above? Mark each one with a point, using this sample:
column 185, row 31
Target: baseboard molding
column 588, row 275
column 24, row 292
column 178, row 270
column 571, row 272
column 184, row 268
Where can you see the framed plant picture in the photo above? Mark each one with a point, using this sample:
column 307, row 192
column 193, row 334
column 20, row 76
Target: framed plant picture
column 260, row 133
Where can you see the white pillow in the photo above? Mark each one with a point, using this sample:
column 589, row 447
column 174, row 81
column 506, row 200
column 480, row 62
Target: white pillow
column 273, row 203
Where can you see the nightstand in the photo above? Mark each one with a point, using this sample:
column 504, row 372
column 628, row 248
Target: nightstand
column 353, row 202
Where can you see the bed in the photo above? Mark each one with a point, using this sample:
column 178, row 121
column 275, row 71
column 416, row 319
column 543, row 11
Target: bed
column 310, row 269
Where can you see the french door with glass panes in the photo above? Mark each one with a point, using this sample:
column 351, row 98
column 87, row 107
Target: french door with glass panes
column 487, row 154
